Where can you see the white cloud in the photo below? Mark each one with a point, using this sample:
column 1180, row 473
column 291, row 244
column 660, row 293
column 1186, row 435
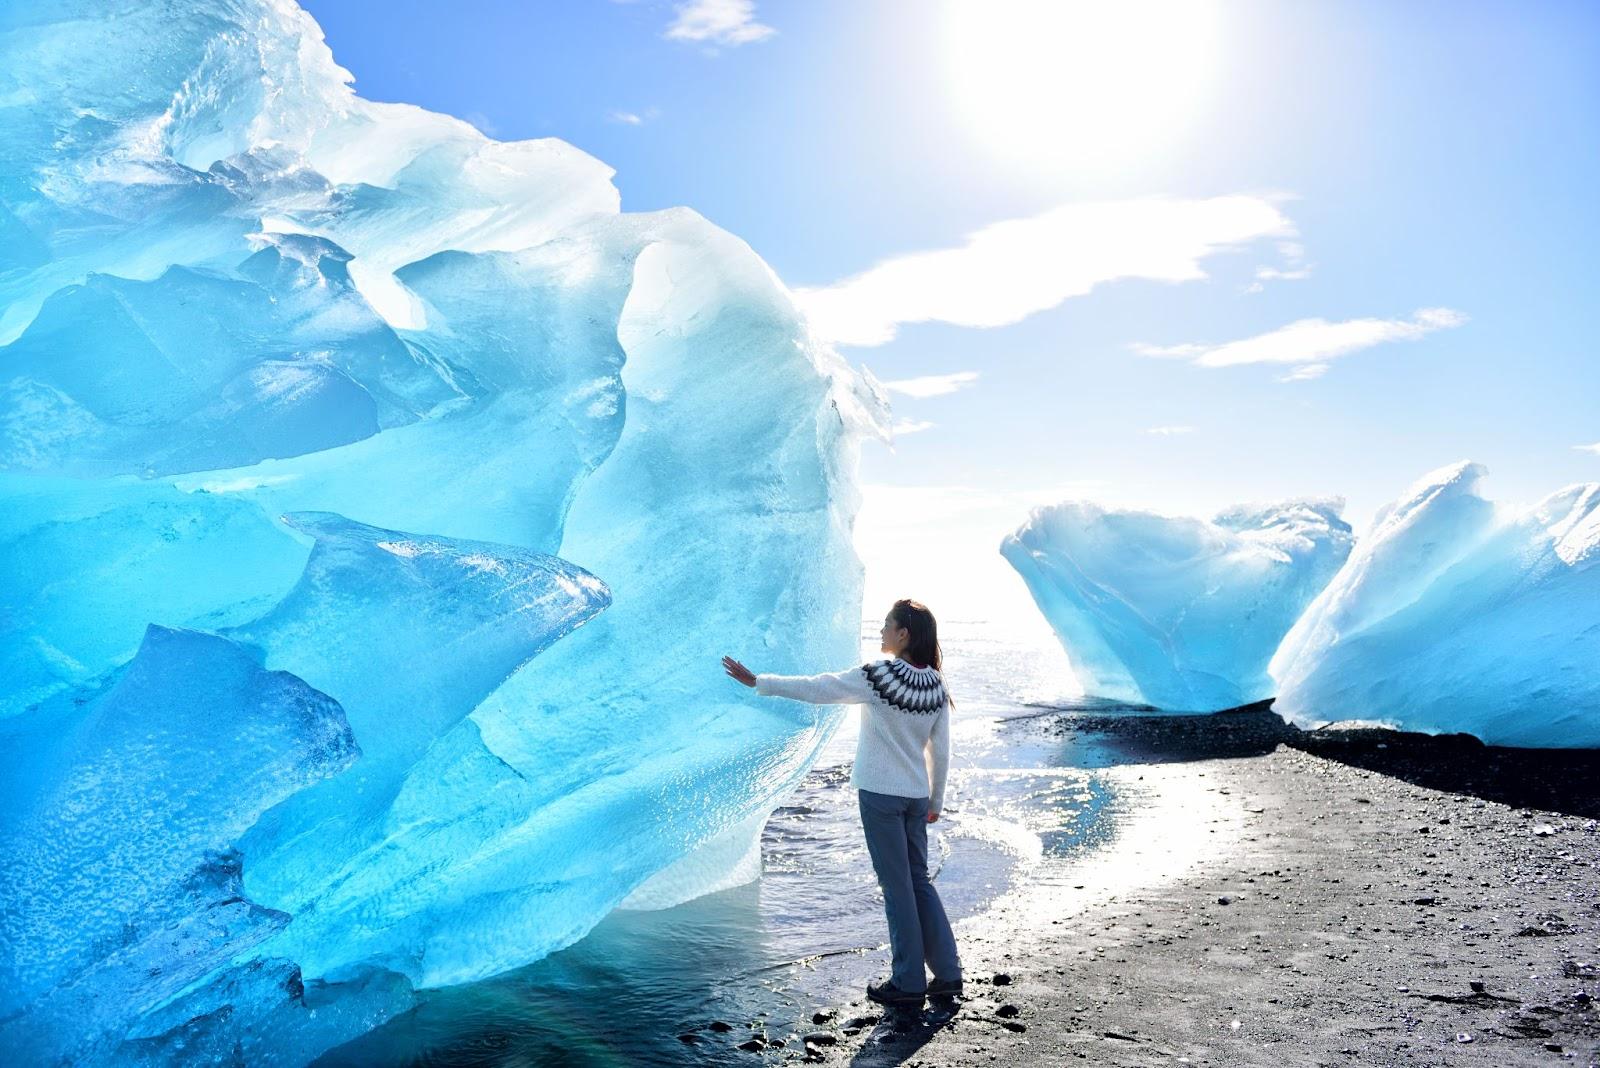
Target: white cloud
column 1183, row 351
column 722, row 22
column 1294, row 269
column 909, row 426
column 1010, row 270
column 932, row 385
column 1305, row 373
column 1168, row 431
column 1595, row 448
column 634, row 118
column 1311, row 343
column 1279, row 274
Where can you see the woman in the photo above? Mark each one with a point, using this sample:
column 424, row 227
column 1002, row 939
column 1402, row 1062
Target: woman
column 902, row 755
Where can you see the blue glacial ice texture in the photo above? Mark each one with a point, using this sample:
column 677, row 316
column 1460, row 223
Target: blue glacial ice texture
column 618, row 726
column 1454, row 615
column 542, row 403
column 118, row 815
column 87, row 565
column 211, row 370
column 328, row 307
column 411, row 632
column 125, row 803
column 1178, row 613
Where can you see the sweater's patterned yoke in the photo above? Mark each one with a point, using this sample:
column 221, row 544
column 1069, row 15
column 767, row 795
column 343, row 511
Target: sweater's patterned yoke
column 910, row 689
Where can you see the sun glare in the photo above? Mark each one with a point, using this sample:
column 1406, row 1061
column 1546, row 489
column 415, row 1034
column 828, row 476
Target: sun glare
column 1086, row 86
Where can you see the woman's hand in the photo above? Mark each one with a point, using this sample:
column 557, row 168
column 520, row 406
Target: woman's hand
column 737, row 671
column 933, row 817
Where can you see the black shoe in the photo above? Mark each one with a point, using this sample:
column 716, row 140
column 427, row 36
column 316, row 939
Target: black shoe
column 944, row 988
column 886, row 993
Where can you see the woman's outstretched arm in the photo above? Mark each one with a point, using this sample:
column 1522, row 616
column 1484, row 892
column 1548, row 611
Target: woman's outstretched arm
column 839, row 688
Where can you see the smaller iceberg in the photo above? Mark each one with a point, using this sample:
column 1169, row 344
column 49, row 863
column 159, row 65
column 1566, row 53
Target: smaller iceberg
column 1456, row 616
column 1179, row 613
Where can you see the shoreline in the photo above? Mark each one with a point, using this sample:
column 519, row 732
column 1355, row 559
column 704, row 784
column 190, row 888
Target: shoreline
column 1363, row 897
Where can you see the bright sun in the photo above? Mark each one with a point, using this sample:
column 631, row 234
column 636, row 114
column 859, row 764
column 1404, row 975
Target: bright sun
column 1086, row 86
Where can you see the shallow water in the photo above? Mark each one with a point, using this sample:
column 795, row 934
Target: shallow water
column 811, row 930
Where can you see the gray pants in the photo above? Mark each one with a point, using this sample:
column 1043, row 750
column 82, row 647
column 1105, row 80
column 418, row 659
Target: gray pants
column 897, row 840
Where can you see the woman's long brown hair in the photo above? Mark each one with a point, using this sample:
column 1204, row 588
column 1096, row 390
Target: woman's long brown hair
column 923, row 649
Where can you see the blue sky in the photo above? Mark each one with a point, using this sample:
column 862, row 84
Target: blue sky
column 1414, row 181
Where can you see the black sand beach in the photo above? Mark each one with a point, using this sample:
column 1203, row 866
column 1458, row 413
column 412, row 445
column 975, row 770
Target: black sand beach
column 1278, row 897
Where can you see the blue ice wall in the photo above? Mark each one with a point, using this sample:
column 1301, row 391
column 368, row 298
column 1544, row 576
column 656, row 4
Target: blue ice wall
column 376, row 500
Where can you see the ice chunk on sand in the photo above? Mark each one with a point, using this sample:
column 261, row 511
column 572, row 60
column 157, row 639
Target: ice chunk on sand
column 1179, row 613
column 1455, row 615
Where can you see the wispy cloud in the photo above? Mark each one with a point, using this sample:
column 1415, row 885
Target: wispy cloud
column 633, row 118
column 909, row 426
column 1305, row 373
column 1269, row 274
column 1595, row 448
column 1311, row 343
column 1294, row 269
column 932, row 385
column 718, row 22
column 1009, row 270
column 1169, row 431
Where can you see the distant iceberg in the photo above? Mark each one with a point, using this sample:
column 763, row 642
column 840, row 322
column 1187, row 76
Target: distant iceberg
column 1178, row 613
column 376, row 500
column 1455, row 615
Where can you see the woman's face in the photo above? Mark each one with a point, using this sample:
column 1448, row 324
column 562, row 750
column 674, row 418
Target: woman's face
column 894, row 637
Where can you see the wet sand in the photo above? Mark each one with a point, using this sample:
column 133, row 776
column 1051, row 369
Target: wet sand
column 1276, row 897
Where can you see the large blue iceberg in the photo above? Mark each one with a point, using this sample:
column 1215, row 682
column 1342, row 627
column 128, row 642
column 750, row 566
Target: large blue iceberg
column 1178, row 613
column 376, row 500
column 1457, row 615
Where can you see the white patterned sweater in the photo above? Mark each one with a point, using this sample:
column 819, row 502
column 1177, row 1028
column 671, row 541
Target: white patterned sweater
column 904, row 745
